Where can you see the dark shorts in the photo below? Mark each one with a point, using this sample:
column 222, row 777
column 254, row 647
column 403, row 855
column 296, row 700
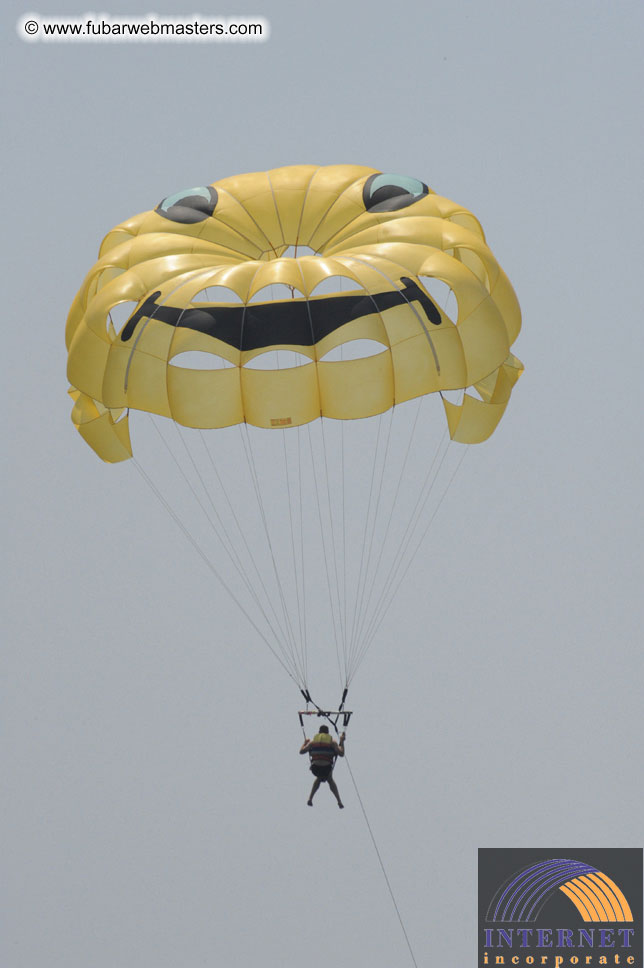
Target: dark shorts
column 322, row 771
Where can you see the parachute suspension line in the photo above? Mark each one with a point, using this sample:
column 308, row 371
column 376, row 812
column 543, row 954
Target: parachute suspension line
column 331, row 504
column 364, row 535
column 344, row 534
column 302, row 571
column 380, row 861
column 289, row 639
column 253, row 472
column 419, row 544
column 300, row 615
column 182, row 527
column 358, row 615
column 344, row 539
column 397, row 563
column 230, row 551
column 324, row 549
column 394, row 505
column 295, row 563
column 337, row 623
column 362, row 595
column 376, row 621
column 233, row 513
column 398, row 557
column 391, row 282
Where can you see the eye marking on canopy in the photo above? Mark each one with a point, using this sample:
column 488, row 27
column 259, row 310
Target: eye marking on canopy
column 189, row 205
column 389, row 193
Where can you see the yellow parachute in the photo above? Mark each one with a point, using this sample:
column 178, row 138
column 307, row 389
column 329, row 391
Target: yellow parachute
column 381, row 233
column 179, row 318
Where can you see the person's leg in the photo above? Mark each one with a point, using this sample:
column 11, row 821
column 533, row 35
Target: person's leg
column 334, row 791
column 314, row 790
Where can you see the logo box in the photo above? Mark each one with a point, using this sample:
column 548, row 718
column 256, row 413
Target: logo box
column 560, row 907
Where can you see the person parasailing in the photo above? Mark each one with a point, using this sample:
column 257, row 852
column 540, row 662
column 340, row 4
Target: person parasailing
column 323, row 751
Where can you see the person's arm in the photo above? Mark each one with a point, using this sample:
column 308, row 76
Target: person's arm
column 305, row 745
column 339, row 747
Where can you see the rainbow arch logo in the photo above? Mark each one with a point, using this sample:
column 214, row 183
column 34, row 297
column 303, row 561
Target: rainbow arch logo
column 596, row 897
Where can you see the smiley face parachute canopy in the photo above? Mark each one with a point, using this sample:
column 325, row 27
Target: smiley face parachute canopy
column 179, row 318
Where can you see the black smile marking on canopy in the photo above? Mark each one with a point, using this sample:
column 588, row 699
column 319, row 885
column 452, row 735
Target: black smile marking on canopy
column 297, row 322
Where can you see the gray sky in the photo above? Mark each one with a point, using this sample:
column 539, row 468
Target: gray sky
column 156, row 813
